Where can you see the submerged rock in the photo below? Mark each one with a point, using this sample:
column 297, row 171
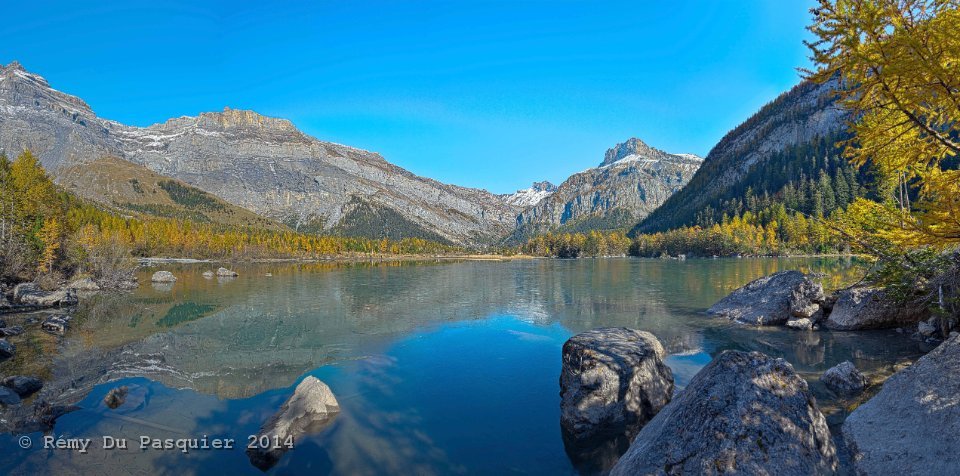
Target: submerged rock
column 226, row 273
column 613, row 381
column 744, row 413
column 7, row 350
column 864, row 308
column 310, row 409
column 910, row 426
column 8, row 397
column 844, row 379
column 56, row 324
column 11, row 331
column 22, row 386
column 772, row 300
column 163, row 277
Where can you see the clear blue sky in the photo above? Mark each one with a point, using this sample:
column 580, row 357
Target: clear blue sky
column 483, row 94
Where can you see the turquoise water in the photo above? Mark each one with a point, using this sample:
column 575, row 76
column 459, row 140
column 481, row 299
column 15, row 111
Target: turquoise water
column 440, row 368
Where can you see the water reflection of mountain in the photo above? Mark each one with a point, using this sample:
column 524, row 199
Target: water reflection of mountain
column 241, row 337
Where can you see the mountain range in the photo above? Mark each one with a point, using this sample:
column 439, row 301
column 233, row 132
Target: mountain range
column 245, row 161
column 238, row 167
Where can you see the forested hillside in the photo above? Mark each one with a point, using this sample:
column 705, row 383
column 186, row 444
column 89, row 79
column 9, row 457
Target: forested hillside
column 788, row 148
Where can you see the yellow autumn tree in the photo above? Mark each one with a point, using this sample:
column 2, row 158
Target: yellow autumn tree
column 898, row 65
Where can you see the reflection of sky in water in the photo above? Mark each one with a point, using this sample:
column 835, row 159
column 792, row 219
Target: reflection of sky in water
column 439, row 369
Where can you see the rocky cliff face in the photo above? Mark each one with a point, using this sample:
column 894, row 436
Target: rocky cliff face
column 260, row 163
column 633, row 180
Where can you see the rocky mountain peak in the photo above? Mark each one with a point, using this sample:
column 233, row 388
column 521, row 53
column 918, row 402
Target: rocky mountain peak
column 13, row 66
column 632, row 146
column 19, row 87
column 544, row 186
column 245, row 119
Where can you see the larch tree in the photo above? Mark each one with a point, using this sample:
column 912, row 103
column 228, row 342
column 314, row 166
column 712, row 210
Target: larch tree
column 898, row 62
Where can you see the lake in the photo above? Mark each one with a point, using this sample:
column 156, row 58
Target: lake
column 439, row 368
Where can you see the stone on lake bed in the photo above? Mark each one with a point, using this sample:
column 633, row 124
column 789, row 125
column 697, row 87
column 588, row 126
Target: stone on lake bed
column 7, row 350
column 744, row 413
column 56, row 324
column 772, row 300
column 115, row 397
column 612, row 382
column 310, row 409
column 22, row 385
column 844, row 379
column 8, row 397
column 226, row 273
column 911, row 425
column 163, row 277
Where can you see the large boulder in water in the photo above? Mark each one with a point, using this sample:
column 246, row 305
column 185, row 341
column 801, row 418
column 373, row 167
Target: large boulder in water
column 310, row 409
column 912, row 426
column 30, row 294
column 744, row 413
column 773, row 300
column 613, row 381
column 863, row 308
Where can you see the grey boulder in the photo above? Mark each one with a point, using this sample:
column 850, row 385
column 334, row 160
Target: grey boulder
column 22, row 386
column 226, row 273
column 7, row 350
column 864, row 308
column 772, row 300
column 310, row 409
column 844, row 379
column 56, row 324
column 910, row 426
column 613, row 381
column 84, row 284
column 744, row 413
column 163, row 277
column 30, row 294
column 8, row 397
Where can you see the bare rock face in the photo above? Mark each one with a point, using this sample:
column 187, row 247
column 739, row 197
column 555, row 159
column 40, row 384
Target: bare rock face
column 864, row 308
column 744, row 413
column 163, row 277
column 910, row 426
column 613, row 381
column 772, row 300
column 844, row 379
column 310, row 409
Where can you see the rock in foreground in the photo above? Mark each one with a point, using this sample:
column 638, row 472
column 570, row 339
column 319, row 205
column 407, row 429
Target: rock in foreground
column 744, row 413
column 163, row 277
column 30, row 294
column 310, row 409
column 844, row 379
column 911, row 425
column 22, row 385
column 772, row 300
column 864, row 308
column 613, row 382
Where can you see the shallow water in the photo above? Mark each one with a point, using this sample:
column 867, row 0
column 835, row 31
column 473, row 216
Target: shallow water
column 440, row 368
